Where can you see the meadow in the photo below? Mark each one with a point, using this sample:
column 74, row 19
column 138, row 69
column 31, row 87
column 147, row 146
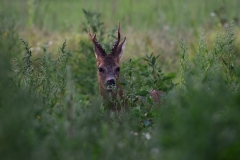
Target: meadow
column 50, row 107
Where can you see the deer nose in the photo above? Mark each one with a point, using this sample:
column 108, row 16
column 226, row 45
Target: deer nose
column 111, row 82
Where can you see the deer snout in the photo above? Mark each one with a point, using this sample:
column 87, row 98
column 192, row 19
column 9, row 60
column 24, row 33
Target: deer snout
column 111, row 82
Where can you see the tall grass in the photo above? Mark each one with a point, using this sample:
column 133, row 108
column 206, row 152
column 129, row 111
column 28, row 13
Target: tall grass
column 173, row 13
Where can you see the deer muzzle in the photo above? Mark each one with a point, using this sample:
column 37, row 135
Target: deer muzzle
column 111, row 84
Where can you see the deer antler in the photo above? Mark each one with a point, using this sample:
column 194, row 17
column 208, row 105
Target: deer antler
column 117, row 41
column 94, row 39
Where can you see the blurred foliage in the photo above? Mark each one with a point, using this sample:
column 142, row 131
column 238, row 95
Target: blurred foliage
column 60, row 16
column 202, row 112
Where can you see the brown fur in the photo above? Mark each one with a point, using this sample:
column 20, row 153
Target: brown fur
column 109, row 64
column 109, row 72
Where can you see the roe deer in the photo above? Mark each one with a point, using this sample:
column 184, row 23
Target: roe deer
column 109, row 73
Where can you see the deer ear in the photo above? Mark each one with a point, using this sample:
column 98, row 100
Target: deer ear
column 97, row 52
column 120, row 48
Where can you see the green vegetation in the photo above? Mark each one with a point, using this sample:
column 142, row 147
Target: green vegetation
column 50, row 107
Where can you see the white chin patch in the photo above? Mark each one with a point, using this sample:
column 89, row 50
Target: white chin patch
column 111, row 87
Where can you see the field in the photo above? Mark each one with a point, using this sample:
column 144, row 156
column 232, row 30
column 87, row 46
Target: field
column 50, row 107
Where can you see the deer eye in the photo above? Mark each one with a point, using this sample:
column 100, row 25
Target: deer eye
column 118, row 69
column 100, row 69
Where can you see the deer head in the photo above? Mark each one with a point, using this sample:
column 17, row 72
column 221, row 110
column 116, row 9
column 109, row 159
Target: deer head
column 108, row 64
column 109, row 71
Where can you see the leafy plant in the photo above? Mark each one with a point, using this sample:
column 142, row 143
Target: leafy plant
column 199, row 118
